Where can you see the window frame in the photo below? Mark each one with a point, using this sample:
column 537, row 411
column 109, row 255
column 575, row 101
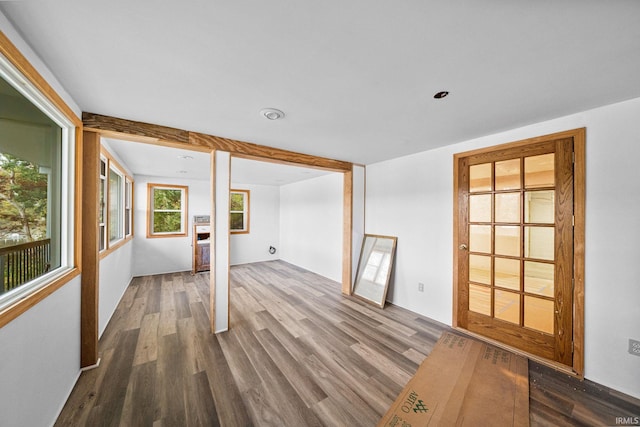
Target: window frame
column 184, row 210
column 119, row 199
column 128, row 207
column 102, row 204
column 20, row 74
column 113, row 165
column 246, row 211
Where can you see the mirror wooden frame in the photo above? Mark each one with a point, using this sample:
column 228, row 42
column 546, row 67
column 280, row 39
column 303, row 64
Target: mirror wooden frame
column 374, row 269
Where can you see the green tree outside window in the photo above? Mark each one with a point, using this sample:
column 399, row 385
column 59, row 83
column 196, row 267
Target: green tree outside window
column 23, row 201
column 168, row 210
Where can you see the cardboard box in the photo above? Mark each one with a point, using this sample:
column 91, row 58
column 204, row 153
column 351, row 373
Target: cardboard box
column 464, row 382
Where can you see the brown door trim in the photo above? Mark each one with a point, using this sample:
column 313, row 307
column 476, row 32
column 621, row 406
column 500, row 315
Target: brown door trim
column 576, row 364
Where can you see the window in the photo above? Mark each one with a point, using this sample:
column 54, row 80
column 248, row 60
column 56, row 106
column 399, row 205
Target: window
column 102, row 210
column 128, row 203
column 239, row 211
column 115, row 215
column 167, row 210
column 37, row 169
column 116, row 205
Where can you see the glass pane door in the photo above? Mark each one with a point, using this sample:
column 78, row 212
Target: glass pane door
column 511, row 225
column 513, row 231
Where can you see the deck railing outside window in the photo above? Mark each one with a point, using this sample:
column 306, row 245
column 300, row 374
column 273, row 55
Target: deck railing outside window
column 22, row 263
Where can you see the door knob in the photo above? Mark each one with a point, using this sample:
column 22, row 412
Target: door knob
column 462, row 247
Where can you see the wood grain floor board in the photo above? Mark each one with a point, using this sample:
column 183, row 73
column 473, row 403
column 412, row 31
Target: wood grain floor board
column 334, row 414
column 298, row 352
column 200, row 407
column 298, row 377
column 135, row 314
column 389, row 346
column 188, row 341
column 113, row 390
column 384, row 386
column 182, row 304
column 297, row 348
column 289, row 403
column 171, row 384
column 139, row 406
column 414, row 355
column 397, row 327
column 230, row 406
column 339, row 356
column 384, row 364
column 345, row 394
column 357, row 318
column 154, row 297
column 317, row 324
column 243, row 371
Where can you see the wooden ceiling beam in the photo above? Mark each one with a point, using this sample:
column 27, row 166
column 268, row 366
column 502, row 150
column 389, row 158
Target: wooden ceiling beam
column 115, row 127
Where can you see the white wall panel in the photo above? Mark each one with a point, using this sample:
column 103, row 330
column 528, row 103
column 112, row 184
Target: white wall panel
column 311, row 224
column 357, row 220
column 40, row 359
column 116, row 272
column 264, row 226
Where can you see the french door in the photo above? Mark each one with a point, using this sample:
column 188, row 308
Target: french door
column 515, row 246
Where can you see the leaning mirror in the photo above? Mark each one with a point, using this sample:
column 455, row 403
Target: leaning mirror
column 374, row 268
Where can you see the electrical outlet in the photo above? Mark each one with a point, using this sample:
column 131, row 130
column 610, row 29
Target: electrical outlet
column 634, row 347
column 420, row 287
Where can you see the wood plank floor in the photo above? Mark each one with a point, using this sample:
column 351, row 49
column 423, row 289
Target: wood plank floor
column 298, row 354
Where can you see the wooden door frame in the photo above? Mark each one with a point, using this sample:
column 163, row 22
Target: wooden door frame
column 579, row 141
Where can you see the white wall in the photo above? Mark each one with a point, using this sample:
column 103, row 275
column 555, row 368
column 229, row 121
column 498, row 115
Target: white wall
column 412, row 198
column 357, row 220
column 40, row 359
column 171, row 254
column 311, row 224
column 116, row 272
column 40, row 350
column 116, row 269
column 264, row 226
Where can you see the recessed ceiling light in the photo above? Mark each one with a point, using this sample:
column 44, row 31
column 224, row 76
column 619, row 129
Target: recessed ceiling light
column 182, row 172
column 441, row 95
column 185, row 157
column 271, row 113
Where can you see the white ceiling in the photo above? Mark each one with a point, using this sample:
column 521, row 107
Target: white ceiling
column 245, row 171
column 160, row 161
column 355, row 79
column 154, row 160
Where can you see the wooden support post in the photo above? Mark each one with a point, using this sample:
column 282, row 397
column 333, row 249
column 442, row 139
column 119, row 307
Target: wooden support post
column 90, row 249
column 347, row 232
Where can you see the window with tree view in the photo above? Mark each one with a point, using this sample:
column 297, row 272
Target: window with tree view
column 167, row 210
column 34, row 208
column 239, row 211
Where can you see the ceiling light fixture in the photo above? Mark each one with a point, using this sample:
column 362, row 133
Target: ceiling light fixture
column 185, row 157
column 182, row 172
column 271, row 113
column 441, row 95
